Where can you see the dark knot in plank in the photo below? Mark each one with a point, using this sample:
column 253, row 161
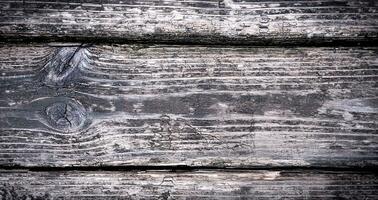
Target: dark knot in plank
column 66, row 115
column 64, row 66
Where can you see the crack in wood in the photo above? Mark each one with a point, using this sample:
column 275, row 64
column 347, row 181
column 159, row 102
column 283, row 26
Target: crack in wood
column 66, row 115
column 64, row 66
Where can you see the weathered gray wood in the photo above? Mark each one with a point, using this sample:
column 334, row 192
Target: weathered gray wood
column 188, row 185
column 187, row 105
column 205, row 21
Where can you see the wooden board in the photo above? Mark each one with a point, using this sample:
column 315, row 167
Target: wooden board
column 268, row 22
column 63, row 105
column 188, row 185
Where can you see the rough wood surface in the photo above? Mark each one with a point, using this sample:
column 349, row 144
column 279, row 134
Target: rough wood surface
column 188, row 185
column 124, row 105
column 207, row 21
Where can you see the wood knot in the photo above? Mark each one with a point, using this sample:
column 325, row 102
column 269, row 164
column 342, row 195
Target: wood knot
column 64, row 66
column 66, row 115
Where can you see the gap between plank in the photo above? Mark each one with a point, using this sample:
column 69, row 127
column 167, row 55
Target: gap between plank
column 337, row 42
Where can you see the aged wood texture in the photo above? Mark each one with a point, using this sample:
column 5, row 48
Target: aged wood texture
column 187, row 105
column 188, row 185
column 207, row 21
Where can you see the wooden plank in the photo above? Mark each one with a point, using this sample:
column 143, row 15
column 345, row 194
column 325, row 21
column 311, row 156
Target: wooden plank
column 127, row 105
column 188, row 185
column 192, row 21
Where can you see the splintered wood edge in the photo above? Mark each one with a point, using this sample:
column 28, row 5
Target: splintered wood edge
column 261, row 184
column 212, row 22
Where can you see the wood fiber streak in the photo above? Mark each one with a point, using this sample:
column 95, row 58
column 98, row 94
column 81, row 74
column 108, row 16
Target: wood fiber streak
column 126, row 105
column 188, row 185
column 208, row 21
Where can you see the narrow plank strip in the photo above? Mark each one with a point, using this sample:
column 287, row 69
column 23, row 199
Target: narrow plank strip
column 127, row 105
column 209, row 21
column 187, row 185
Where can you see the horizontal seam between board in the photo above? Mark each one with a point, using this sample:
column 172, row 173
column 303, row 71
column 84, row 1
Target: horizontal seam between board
column 249, row 41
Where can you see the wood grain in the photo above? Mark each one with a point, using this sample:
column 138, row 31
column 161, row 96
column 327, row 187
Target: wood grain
column 188, row 185
column 191, row 21
column 122, row 105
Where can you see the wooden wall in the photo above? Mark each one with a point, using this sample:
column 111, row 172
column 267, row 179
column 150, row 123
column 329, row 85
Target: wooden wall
column 108, row 99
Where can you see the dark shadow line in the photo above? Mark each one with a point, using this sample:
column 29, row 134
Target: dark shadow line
column 224, row 42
